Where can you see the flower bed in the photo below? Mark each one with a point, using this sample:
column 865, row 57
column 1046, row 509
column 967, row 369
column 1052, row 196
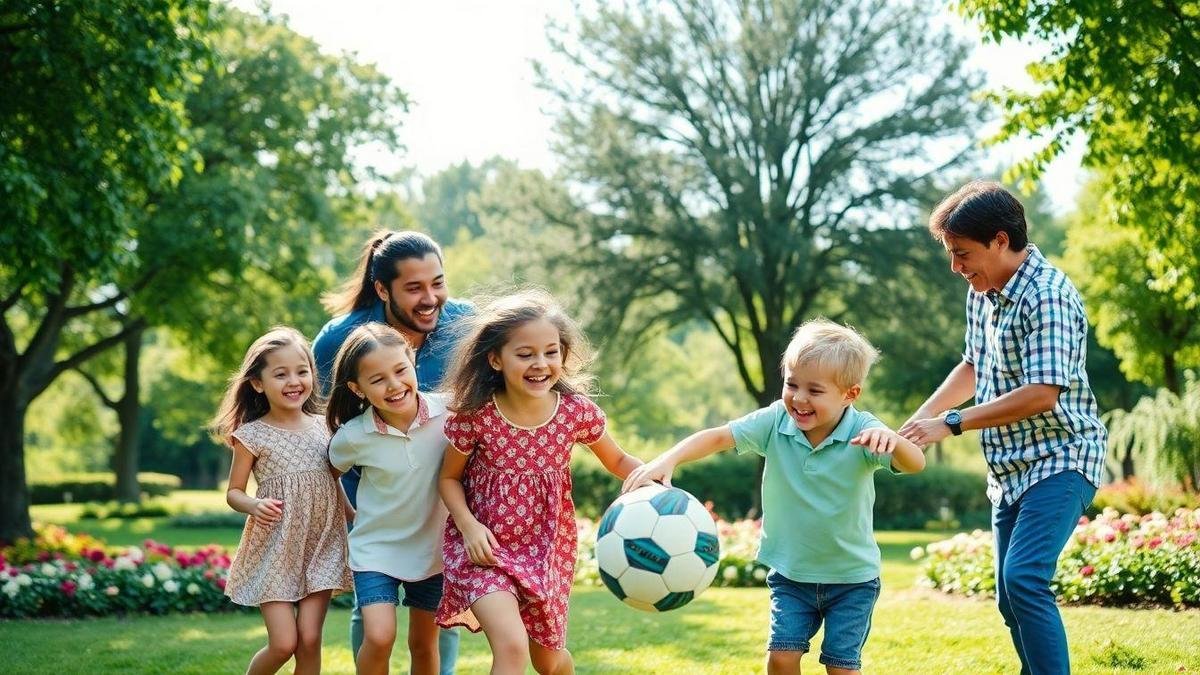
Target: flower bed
column 58, row 574
column 736, row 567
column 1114, row 559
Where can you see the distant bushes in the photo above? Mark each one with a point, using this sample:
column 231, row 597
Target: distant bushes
column 937, row 497
column 94, row 487
column 1138, row 497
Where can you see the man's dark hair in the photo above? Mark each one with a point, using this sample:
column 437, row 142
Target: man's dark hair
column 979, row 211
column 378, row 263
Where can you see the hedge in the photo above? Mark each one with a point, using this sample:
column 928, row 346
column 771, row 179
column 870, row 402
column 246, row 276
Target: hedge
column 938, row 496
column 95, row 487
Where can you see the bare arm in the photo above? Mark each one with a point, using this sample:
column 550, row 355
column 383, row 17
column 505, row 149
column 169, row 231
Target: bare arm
column 697, row 446
column 1020, row 403
column 956, row 389
column 266, row 510
column 478, row 539
column 618, row 462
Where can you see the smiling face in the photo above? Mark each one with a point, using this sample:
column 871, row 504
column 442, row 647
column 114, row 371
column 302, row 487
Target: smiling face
column 286, row 379
column 531, row 360
column 415, row 297
column 387, row 379
column 814, row 401
column 985, row 267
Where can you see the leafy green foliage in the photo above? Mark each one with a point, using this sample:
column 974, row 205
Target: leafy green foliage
column 730, row 158
column 1165, row 429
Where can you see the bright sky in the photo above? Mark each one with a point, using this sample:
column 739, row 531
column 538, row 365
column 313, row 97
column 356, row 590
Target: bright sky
column 466, row 65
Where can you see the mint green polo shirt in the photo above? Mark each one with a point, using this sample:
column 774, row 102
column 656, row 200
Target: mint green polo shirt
column 817, row 502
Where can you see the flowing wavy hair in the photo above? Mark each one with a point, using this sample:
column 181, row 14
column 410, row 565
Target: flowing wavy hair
column 344, row 405
column 472, row 381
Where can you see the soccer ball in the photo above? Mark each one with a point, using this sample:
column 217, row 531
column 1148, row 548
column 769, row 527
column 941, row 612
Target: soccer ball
column 657, row 548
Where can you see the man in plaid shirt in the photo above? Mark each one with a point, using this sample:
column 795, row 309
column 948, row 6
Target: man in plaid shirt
column 1040, row 431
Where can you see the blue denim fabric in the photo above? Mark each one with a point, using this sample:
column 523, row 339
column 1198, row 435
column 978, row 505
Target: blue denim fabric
column 798, row 608
column 1030, row 534
column 447, row 637
column 374, row 587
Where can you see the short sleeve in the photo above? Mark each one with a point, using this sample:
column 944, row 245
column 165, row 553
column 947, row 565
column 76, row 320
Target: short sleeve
column 590, row 423
column 460, row 430
column 1054, row 329
column 342, row 451
column 874, row 462
column 246, row 435
column 973, row 349
column 752, row 433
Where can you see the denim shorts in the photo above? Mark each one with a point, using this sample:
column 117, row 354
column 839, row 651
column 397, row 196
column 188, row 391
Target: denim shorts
column 371, row 588
column 799, row 608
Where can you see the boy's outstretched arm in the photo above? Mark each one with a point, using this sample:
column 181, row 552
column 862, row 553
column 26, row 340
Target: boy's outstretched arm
column 906, row 455
column 697, row 446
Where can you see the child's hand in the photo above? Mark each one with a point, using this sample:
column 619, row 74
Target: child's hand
column 657, row 470
column 267, row 511
column 480, row 541
column 878, row 441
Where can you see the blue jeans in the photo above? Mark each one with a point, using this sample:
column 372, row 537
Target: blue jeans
column 1030, row 534
column 447, row 638
column 798, row 609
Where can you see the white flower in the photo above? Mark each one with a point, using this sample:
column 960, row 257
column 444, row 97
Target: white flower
column 111, row 591
column 162, row 571
column 193, row 588
column 917, row 553
column 124, row 564
column 148, row 580
column 12, row 588
column 135, row 554
column 171, row 586
column 730, row 573
column 86, row 583
column 49, row 570
column 24, row 579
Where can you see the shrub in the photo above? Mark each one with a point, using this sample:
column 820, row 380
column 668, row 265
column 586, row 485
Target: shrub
column 146, row 509
column 1139, row 498
column 1115, row 559
column 94, row 487
column 732, row 484
column 206, row 519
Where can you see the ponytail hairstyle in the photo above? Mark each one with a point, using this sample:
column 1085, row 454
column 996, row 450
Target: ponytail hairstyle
column 344, row 405
column 242, row 403
column 472, row 380
column 377, row 262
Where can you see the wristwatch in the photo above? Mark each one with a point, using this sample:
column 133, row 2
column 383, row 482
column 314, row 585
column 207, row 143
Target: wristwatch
column 953, row 419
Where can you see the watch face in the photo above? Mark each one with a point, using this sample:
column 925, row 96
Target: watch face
column 953, row 417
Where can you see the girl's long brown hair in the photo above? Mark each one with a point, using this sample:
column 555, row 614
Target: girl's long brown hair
column 344, row 405
column 471, row 379
column 241, row 403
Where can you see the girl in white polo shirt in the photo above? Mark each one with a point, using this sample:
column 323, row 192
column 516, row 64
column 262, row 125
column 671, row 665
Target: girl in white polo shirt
column 382, row 424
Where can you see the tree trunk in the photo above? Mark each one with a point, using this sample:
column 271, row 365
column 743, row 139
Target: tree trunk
column 125, row 460
column 14, row 494
column 1127, row 468
column 1170, row 373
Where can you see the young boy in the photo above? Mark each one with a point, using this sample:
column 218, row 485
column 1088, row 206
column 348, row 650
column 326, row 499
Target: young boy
column 817, row 494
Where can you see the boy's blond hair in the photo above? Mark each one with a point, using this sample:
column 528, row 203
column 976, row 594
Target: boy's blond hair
column 838, row 350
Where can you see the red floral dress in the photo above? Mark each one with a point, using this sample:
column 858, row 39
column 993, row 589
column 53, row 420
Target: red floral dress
column 518, row 484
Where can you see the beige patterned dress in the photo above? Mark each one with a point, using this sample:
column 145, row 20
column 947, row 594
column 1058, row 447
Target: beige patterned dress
column 305, row 551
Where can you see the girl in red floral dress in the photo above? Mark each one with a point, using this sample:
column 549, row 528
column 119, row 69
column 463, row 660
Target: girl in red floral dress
column 519, row 406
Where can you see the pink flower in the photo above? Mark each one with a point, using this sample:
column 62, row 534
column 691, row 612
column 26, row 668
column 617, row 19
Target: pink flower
column 1083, row 520
column 68, row 588
column 43, row 556
column 1155, row 542
column 1186, row 540
column 1087, row 570
column 1111, row 536
column 221, row 583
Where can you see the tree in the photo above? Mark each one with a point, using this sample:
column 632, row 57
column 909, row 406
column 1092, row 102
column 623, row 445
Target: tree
column 91, row 120
column 445, row 208
column 1151, row 332
column 1165, row 428
column 734, row 161
column 1126, row 76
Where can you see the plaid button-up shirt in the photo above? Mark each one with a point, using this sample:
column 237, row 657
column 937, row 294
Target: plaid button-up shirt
column 1034, row 331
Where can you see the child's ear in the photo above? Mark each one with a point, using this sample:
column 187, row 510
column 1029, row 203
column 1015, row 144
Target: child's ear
column 851, row 394
column 494, row 361
column 256, row 384
column 354, row 388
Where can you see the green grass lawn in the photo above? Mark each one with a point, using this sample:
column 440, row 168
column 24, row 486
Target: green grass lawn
column 723, row 631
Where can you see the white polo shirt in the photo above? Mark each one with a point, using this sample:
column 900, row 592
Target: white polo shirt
column 400, row 521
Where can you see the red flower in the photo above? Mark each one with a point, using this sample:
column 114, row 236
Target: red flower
column 95, row 555
column 68, row 588
column 221, row 583
column 43, row 556
column 1087, row 570
column 1155, row 542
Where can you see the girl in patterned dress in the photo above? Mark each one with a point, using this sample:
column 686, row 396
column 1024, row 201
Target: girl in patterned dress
column 292, row 555
column 519, row 406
